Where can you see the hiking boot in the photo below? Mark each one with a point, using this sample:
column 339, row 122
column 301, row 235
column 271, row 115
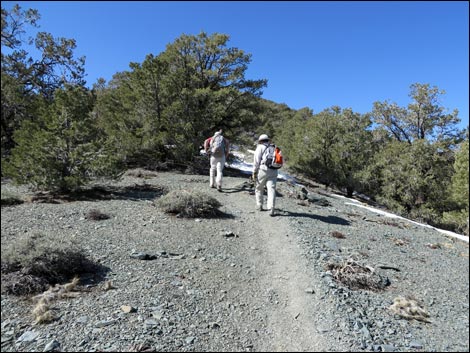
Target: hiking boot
column 219, row 188
column 272, row 213
column 259, row 208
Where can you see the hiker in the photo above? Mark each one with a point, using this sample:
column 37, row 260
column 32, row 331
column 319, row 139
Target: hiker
column 218, row 147
column 264, row 176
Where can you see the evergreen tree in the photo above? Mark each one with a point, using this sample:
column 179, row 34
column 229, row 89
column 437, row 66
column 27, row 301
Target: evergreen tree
column 26, row 80
column 459, row 191
column 292, row 136
column 411, row 180
column 412, row 172
column 424, row 118
column 62, row 149
column 171, row 102
column 353, row 150
column 332, row 146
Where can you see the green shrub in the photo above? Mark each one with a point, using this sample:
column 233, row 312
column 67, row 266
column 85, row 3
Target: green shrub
column 457, row 220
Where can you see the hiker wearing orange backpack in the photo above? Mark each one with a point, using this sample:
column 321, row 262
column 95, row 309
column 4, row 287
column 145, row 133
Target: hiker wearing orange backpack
column 218, row 147
column 267, row 161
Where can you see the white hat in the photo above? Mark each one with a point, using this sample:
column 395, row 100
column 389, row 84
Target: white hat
column 263, row 137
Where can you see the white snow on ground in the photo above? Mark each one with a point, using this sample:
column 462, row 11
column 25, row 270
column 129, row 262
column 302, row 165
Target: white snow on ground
column 247, row 167
column 391, row 215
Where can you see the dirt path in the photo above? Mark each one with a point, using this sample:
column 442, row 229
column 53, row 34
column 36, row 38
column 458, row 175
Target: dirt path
column 283, row 272
column 260, row 287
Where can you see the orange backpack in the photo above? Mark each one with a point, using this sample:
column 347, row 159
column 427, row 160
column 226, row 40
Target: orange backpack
column 273, row 158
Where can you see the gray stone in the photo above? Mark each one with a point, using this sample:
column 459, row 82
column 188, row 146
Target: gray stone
column 150, row 323
column 104, row 323
column 416, row 345
column 82, row 319
column 52, row 345
column 388, row 348
column 28, row 336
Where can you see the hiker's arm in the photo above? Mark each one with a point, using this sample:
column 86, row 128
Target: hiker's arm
column 256, row 163
column 257, row 159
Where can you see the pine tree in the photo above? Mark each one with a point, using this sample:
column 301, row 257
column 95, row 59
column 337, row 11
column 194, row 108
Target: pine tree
column 459, row 191
column 62, row 149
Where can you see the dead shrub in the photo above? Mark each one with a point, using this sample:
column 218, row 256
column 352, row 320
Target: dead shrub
column 356, row 276
column 96, row 215
column 189, row 204
column 18, row 283
column 35, row 261
column 338, row 235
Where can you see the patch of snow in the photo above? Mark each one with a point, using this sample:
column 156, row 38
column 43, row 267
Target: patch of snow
column 391, row 215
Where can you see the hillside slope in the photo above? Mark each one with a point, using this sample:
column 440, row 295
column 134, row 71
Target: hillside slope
column 245, row 281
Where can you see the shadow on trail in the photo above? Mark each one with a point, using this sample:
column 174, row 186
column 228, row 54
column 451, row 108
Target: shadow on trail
column 328, row 219
column 223, row 215
column 135, row 192
column 248, row 188
column 237, row 189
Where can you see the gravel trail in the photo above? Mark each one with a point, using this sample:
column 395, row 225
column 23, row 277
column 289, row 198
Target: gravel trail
column 242, row 282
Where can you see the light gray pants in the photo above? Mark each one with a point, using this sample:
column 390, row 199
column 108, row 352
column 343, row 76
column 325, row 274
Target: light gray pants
column 268, row 178
column 215, row 173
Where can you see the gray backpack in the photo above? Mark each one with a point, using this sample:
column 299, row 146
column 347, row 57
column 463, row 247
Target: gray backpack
column 218, row 146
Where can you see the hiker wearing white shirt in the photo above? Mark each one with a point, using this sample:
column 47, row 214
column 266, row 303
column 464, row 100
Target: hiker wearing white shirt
column 219, row 148
column 264, row 176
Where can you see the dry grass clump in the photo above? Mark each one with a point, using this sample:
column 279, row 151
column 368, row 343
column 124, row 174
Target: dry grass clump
column 96, row 215
column 189, row 204
column 42, row 311
column 439, row 245
column 35, row 261
column 356, row 276
column 409, row 308
column 399, row 242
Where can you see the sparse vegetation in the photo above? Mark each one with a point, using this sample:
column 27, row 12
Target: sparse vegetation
column 141, row 173
column 188, row 204
column 34, row 262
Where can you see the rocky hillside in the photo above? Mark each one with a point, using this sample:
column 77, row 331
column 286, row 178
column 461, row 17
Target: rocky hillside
column 323, row 275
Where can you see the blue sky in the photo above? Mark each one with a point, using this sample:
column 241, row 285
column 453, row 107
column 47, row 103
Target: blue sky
column 314, row 54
